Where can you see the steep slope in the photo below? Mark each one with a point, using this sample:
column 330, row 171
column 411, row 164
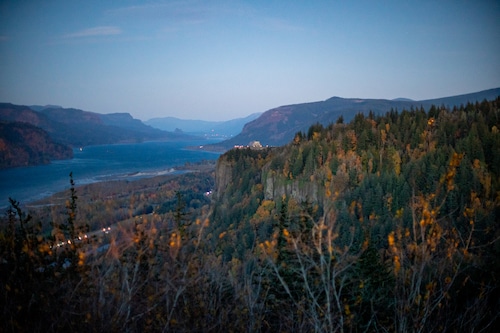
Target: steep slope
column 126, row 121
column 80, row 128
column 22, row 144
column 278, row 126
column 86, row 128
column 21, row 113
column 373, row 205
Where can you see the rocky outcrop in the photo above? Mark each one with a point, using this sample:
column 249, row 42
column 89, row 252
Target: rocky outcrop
column 23, row 144
column 223, row 176
column 241, row 170
column 275, row 186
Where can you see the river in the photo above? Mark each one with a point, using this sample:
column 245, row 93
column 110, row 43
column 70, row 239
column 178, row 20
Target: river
column 95, row 164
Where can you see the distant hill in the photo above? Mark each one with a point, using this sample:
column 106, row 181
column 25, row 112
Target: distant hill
column 489, row 94
column 43, row 107
column 201, row 127
column 76, row 127
column 278, row 126
column 402, row 99
column 23, row 144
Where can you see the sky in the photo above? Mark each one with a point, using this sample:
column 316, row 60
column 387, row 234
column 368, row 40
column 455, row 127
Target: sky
column 221, row 60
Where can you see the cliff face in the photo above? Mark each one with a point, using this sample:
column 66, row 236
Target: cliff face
column 23, row 144
column 223, row 176
column 276, row 187
column 252, row 170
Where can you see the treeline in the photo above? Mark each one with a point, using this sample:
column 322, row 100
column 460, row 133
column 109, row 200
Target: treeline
column 387, row 223
column 106, row 203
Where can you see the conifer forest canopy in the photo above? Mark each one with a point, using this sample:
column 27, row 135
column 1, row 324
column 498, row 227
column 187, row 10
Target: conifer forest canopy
column 385, row 223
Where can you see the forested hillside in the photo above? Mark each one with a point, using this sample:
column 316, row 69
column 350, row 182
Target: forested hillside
column 388, row 222
column 22, row 144
column 385, row 223
column 276, row 127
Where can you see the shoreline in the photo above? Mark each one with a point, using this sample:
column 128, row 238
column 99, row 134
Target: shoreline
column 86, row 190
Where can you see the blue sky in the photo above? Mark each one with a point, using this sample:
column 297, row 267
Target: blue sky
column 220, row 60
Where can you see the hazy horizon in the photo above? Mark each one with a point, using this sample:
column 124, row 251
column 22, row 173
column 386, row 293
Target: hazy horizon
column 223, row 60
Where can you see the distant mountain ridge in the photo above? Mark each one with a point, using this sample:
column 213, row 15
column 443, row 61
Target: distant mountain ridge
column 206, row 128
column 278, row 126
column 43, row 107
column 76, row 127
column 38, row 134
column 402, row 99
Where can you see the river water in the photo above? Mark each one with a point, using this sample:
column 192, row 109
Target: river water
column 95, row 164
